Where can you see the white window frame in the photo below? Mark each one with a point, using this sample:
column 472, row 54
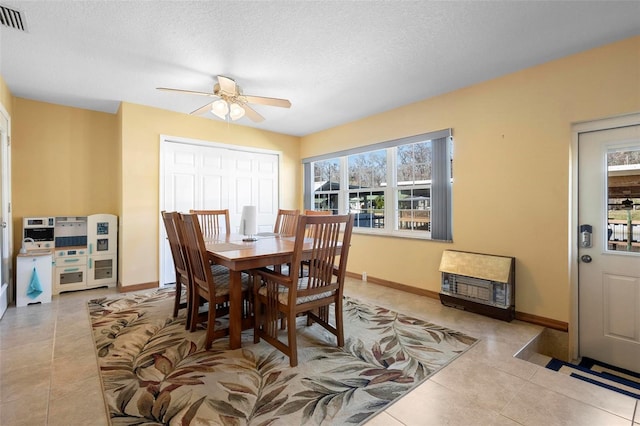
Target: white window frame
column 443, row 182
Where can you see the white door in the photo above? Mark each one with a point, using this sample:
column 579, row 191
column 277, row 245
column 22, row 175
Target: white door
column 207, row 176
column 609, row 269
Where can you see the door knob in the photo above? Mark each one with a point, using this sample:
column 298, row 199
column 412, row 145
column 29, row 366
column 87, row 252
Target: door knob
column 586, row 258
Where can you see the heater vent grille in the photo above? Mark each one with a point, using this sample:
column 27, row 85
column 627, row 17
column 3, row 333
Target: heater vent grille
column 11, row 18
column 481, row 283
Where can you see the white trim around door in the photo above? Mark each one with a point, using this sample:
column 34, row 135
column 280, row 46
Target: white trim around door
column 578, row 128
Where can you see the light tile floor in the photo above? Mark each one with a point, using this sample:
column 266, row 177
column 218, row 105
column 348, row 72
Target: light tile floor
column 48, row 372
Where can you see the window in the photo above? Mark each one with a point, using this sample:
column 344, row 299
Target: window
column 413, row 189
column 400, row 187
column 367, row 178
column 326, row 185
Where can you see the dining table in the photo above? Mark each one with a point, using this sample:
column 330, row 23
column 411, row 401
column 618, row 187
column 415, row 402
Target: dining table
column 237, row 255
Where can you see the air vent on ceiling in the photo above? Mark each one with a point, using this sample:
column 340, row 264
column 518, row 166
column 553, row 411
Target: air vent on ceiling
column 11, row 18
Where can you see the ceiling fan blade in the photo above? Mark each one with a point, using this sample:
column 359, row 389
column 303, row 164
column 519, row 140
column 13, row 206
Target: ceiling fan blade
column 284, row 103
column 191, row 92
column 227, row 85
column 252, row 113
column 202, row 109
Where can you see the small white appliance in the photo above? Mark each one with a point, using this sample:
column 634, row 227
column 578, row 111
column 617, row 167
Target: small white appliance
column 38, row 233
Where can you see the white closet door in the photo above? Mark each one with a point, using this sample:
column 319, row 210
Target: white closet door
column 199, row 176
column 212, row 180
column 254, row 179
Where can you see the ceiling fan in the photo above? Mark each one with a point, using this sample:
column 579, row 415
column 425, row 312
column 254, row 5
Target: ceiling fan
column 232, row 101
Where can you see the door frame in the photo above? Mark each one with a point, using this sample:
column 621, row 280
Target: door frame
column 5, row 198
column 578, row 128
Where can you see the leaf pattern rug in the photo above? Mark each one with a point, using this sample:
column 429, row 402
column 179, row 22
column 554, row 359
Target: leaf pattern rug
column 154, row 372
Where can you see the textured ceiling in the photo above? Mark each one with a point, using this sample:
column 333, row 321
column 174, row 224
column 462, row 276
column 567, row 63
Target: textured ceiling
column 336, row 61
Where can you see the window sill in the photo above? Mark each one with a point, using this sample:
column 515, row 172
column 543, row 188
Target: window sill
column 419, row 235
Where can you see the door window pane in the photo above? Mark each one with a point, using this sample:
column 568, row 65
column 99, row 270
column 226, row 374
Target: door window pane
column 623, row 193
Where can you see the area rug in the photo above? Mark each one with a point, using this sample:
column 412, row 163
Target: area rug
column 155, row 372
column 598, row 373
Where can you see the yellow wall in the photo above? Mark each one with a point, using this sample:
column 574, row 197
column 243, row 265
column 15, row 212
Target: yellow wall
column 512, row 139
column 139, row 210
column 5, row 96
column 63, row 162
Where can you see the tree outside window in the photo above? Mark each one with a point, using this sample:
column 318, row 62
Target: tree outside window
column 367, row 179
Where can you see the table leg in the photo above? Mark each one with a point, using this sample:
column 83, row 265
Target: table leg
column 235, row 310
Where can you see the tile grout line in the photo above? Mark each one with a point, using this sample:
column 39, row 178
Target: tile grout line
column 393, row 417
column 53, row 350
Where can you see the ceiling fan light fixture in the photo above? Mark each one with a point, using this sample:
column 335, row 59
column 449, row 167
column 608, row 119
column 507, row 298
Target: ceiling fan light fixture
column 220, row 108
column 236, row 111
column 232, row 103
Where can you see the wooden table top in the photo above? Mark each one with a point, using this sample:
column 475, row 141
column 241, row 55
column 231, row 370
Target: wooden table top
column 232, row 252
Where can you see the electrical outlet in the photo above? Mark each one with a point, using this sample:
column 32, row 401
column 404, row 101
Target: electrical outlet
column 364, row 276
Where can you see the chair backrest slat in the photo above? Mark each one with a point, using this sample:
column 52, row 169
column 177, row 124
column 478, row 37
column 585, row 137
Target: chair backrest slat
column 197, row 253
column 213, row 222
column 286, row 222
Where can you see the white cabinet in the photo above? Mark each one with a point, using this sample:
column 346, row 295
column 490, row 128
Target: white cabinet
column 32, row 268
column 102, row 241
column 86, row 252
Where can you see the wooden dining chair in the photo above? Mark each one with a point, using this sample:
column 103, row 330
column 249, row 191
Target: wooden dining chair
column 305, row 263
column 213, row 288
column 180, row 264
column 278, row 296
column 286, row 222
column 213, row 222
